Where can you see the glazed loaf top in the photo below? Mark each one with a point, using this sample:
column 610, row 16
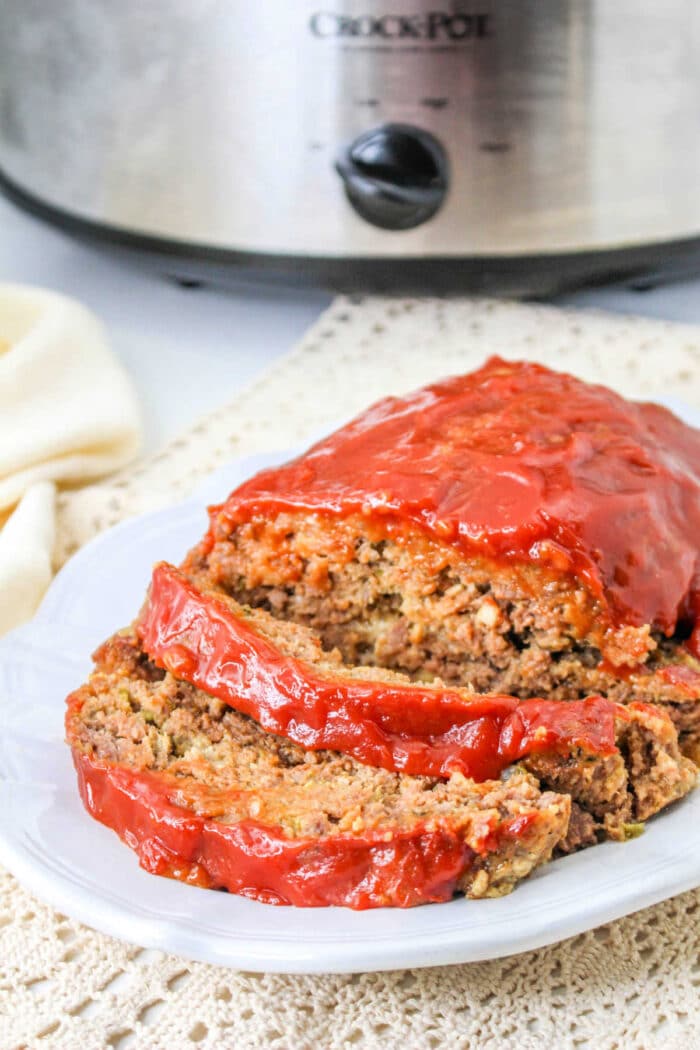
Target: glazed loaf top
column 517, row 462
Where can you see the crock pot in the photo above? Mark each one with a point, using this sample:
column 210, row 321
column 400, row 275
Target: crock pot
column 518, row 145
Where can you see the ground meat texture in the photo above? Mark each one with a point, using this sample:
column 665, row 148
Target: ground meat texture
column 279, row 674
column 419, row 608
column 621, row 791
column 411, row 605
column 583, row 831
column 209, row 762
column 267, row 668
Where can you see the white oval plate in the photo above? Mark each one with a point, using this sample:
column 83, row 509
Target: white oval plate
column 48, row 841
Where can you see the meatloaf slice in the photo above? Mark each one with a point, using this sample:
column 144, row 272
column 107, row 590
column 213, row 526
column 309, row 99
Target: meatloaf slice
column 622, row 764
column 280, row 675
column 202, row 794
column 514, row 530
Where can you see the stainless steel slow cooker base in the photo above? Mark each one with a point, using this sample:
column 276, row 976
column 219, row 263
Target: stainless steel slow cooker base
column 509, row 145
column 520, row 276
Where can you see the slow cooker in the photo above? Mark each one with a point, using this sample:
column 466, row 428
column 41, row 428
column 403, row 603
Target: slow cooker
column 514, row 145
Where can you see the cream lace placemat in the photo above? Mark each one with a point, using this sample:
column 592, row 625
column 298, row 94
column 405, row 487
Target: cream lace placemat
column 631, row 985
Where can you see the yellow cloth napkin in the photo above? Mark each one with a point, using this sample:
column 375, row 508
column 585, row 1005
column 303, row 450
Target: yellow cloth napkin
column 68, row 414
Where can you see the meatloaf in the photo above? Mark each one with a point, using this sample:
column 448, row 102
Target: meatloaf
column 202, row 794
column 514, row 530
column 279, row 674
column 449, row 642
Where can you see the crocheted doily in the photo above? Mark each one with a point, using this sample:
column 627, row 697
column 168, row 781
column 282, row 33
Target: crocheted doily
column 631, row 984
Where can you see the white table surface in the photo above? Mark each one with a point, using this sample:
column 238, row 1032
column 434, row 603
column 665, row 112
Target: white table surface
column 190, row 349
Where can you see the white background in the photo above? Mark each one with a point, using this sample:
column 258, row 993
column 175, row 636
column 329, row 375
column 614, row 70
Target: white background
column 190, row 349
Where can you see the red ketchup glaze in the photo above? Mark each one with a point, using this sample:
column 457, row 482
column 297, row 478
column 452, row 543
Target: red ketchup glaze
column 248, row 858
column 682, row 677
column 517, row 462
column 398, row 727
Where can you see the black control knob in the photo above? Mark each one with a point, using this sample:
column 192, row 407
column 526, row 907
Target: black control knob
column 395, row 176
